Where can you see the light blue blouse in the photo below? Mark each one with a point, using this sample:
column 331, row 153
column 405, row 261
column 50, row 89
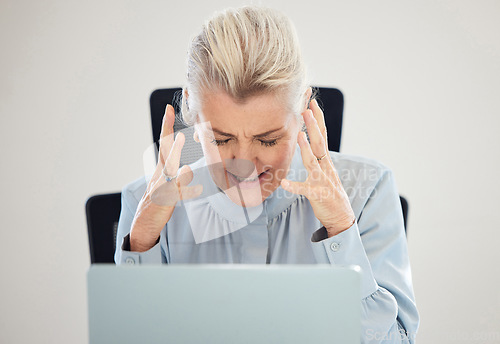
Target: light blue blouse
column 284, row 230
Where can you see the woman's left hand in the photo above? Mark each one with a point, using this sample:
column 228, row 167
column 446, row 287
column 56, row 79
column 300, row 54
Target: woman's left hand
column 322, row 187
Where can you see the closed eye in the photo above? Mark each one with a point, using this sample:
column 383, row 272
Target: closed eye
column 262, row 142
column 219, row 142
column 268, row 143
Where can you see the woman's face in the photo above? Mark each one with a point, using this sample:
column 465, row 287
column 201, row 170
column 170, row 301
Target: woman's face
column 248, row 146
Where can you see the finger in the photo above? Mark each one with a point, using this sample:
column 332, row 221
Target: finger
column 174, row 157
column 320, row 118
column 167, row 125
column 329, row 169
column 189, row 192
column 326, row 163
column 167, row 132
column 185, row 176
column 299, row 188
column 318, row 143
column 308, row 158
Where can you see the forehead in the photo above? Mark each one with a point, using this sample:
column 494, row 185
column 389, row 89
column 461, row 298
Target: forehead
column 254, row 115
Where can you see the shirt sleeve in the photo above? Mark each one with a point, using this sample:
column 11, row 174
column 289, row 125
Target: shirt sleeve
column 123, row 255
column 377, row 243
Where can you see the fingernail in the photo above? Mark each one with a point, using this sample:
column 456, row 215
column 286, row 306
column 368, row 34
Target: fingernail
column 285, row 183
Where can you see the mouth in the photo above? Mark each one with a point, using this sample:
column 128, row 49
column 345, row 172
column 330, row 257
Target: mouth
column 248, row 181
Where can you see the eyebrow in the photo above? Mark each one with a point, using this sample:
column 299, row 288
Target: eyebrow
column 220, row 132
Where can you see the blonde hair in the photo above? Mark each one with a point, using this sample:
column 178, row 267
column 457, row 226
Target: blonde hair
column 245, row 52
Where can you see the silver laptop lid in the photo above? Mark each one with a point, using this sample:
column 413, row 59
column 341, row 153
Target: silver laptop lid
column 224, row 304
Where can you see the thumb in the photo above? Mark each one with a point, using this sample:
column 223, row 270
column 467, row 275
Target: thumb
column 295, row 187
column 188, row 192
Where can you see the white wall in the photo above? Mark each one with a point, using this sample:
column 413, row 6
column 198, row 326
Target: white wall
column 420, row 80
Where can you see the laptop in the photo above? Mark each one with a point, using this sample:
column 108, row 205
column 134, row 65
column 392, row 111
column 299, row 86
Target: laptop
column 224, row 303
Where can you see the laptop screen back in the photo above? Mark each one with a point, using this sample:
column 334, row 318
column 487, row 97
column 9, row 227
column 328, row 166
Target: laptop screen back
column 224, row 304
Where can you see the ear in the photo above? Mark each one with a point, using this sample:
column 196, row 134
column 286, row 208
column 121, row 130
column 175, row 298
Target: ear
column 307, row 98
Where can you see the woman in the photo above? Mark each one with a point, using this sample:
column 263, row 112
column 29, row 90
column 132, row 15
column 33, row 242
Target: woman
column 263, row 193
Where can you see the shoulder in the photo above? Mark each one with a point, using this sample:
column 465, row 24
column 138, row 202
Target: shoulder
column 358, row 167
column 362, row 178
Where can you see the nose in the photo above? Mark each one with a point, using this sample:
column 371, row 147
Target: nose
column 243, row 151
column 243, row 161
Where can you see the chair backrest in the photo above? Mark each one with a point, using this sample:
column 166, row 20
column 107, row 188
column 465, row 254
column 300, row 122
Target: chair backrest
column 103, row 212
column 405, row 208
column 158, row 100
column 331, row 101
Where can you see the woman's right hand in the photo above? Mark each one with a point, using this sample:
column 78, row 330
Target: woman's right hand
column 158, row 202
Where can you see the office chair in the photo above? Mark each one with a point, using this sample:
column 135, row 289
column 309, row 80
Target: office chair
column 103, row 211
